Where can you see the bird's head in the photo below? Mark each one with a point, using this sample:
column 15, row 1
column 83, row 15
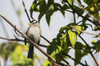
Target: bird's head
column 33, row 22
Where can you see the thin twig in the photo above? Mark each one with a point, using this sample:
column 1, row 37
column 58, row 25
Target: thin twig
column 65, row 61
column 84, row 31
column 26, row 11
column 45, row 39
column 17, row 39
column 17, row 33
column 11, row 39
column 43, row 45
column 36, row 45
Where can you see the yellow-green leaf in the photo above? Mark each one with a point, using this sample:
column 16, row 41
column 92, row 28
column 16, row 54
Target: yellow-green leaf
column 79, row 29
column 72, row 37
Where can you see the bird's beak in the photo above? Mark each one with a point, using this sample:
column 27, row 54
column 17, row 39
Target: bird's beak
column 30, row 23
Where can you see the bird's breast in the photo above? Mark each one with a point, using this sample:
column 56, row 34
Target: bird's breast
column 34, row 33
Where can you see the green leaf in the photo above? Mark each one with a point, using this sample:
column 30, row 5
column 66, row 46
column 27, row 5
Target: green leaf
column 48, row 19
column 88, row 2
column 42, row 6
column 48, row 14
column 79, row 10
column 96, row 28
column 96, row 45
column 62, row 29
column 47, row 63
column 78, row 52
column 78, row 55
column 34, row 8
column 40, row 16
column 95, row 1
column 70, row 2
column 62, row 12
column 72, row 37
column 64, row 7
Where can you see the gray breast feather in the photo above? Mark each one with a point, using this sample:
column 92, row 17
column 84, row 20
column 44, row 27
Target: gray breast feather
column 34, row 33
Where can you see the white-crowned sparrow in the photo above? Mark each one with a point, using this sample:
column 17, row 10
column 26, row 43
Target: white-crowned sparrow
column 34, row 33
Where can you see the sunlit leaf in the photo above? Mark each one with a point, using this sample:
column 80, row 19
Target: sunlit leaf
column 72, row 37
column 70, row 2
column 47, row 63
column 79, row 29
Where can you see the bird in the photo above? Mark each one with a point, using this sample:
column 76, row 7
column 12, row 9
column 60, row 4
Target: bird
column 34, row 33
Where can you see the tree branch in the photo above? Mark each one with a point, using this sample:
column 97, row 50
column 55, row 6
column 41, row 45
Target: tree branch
column 89, row 14
column 36, row 45
column 85, row 32
column 89, row 50
column 83, row 16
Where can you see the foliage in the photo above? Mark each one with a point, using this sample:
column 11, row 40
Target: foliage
column 67, row 36
column 15, row 51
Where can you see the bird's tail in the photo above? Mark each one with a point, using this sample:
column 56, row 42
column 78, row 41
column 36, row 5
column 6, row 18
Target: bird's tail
column 30, row 52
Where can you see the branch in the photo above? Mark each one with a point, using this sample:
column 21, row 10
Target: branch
column 26, row 11
column 89, row 14
column 36, row 45
column 89, row 50
column 11, row 39
column 17, row 39
column 83, row 16
column 65, row 61
column 45, row 39
column 85, row 32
